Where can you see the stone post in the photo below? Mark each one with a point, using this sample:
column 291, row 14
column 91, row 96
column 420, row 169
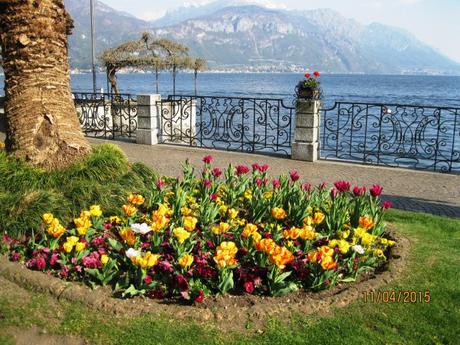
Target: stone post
column 306, row 134
column 148, row 119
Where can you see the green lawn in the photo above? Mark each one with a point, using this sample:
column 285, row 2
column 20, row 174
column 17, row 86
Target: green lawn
column 434, row 266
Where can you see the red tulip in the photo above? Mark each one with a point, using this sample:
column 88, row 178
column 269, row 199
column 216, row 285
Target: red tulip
column 316, row 73
column 294, row 175
column 200, row 297
column 241, row 169
column 359, row 191
column 216, row 172
column 208, row 159
column 387, row 204
column 307, row 75
column 249, row 287
column 376, row 190
column 342, row 186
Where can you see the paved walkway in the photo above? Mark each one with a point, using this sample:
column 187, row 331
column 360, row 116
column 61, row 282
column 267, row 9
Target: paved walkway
column 411, row 190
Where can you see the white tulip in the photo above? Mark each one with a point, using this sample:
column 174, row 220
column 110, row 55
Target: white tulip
column 131, row 252
column 141, row 228
column 358, row 249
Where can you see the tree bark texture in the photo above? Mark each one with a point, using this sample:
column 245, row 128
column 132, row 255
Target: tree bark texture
column 41, row 120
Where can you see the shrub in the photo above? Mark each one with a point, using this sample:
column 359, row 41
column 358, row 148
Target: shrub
column 104, row 178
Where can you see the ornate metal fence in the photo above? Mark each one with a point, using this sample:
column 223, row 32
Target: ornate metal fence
column 241, row 124
column 107, row 115
column 421, row 137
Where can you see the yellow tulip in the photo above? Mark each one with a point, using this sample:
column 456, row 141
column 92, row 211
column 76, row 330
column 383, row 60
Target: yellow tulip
column 48, row 218
column 249, row 229
column 220, row 229
column 80, row 246
column 55, row 229
column 278, row 213
column 190, row 223
column 104, row 259
column 232, row 213
column 136, row 199
column 181, row 234
column 366, row 222
column 68, row 246
column 318, row 217
column 95, row 210
column 72, row 239
column 129, row 210
column 186, row 260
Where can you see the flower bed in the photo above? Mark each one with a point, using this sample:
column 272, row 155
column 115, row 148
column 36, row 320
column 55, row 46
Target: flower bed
column 231, row 231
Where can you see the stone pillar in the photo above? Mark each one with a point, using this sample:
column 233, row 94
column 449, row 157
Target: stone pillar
column 148, row 119
column 306, row 134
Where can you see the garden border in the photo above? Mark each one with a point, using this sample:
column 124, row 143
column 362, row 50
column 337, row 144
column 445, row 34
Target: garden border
column 230, row 312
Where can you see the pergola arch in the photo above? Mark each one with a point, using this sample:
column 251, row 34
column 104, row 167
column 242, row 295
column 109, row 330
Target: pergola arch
column 147, row 52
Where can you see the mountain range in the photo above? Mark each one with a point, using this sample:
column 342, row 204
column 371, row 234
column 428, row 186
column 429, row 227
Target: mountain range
column 237, row 35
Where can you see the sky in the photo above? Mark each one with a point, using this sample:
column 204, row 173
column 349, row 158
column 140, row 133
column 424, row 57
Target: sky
column 436, row 22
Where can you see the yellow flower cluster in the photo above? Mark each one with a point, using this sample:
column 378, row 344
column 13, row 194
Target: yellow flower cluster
column 226, row 254
column 181, row 234
column 55, row 229
column 323, row 255
column 278, row 255
column 71, row 242
column 136, row 199
column 344, row 246
column 83, row 223
column 160, row 218
column 305, row 233
column 368, row 240
column 147, row 260
column 281, row 256
column 250, row 230
column 317, row 219
column 2, row 145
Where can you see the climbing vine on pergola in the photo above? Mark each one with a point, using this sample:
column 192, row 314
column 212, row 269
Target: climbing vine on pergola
column 148, row 53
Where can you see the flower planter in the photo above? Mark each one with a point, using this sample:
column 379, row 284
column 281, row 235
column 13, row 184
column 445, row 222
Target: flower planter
column 308, row 93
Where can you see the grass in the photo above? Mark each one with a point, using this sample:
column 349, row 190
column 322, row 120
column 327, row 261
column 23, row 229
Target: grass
column 104, row 178
column 433, row 265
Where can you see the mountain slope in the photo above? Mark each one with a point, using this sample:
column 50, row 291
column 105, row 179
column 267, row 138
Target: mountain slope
column 112, row 28
column 250, row 36
column 260, row 37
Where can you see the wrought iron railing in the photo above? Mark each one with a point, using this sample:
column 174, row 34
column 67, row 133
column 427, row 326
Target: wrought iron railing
column 421, row 137
column 259, row 125
column 107, row 115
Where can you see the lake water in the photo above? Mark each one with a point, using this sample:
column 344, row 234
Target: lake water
column 409, row 136
column 424, row 90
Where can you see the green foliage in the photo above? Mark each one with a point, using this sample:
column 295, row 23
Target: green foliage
column 104, row 178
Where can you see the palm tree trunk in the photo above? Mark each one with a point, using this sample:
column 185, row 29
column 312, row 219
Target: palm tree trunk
column 42, row 123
